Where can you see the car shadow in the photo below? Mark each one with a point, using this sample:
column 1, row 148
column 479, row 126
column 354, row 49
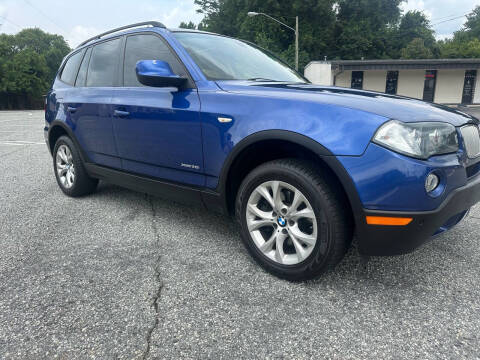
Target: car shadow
column 406, row 271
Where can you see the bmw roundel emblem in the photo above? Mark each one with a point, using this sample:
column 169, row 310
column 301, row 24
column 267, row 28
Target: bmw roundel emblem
column 281, row 221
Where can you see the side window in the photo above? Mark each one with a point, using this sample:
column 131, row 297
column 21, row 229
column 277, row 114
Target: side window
column 82, row 73
column 147, row 47
column 69, row 72
column 102, row 70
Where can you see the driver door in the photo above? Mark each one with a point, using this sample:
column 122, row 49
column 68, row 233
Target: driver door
column 157, row 130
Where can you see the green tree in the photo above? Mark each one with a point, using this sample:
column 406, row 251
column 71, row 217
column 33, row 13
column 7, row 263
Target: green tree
column 316, row 21
column 472, row 25
column 416, row 49
column 29, row 61
column 413, row 25
column 465, row 42
column 189, row 25
column 459, row 48
column 363, row 28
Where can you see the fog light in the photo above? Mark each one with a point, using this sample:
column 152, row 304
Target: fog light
column 431, row 183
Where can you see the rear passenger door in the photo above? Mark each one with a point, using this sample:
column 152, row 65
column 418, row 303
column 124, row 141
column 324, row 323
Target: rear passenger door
column 91, row 105
column 158, row 130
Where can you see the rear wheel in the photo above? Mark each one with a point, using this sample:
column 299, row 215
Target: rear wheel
column 294, row 221
column 69, row 170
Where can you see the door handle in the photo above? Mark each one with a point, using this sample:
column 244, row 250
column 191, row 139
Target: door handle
column 71, row 109
column 120, row 113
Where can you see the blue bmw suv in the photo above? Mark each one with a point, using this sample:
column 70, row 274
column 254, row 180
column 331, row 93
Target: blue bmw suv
column 212, row 120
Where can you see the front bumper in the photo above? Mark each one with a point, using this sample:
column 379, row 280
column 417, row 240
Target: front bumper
column 382, row 240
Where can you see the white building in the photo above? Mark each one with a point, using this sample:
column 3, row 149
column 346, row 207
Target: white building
column 444, row 81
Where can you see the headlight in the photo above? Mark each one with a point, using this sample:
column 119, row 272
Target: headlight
column 419, row 140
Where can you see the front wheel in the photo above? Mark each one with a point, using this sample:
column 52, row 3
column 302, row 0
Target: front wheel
column 294, row 221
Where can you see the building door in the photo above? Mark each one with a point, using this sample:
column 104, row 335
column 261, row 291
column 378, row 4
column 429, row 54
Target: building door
column 469, row 86
column 357, row 80
column 392, row 82
column 429, row 88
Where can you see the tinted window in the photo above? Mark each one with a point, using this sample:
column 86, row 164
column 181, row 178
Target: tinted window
column 70, row 69
column 147, row 47
column 223, row 58
column 102, row 70
column 82, row 73
column 357, row 80
column 392, row 82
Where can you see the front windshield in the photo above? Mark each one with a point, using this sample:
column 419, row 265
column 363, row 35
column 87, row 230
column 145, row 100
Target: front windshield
column 223, row 58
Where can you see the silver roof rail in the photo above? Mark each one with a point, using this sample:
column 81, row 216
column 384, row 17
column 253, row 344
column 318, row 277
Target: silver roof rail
column 152, row 23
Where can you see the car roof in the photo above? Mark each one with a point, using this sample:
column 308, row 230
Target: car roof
column 153, row 25
column 133, row 28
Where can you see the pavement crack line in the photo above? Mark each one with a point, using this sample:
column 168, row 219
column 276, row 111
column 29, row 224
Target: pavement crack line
column 158, row 280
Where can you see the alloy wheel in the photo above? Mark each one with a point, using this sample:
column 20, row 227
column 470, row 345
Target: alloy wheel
column 281, row 222
column 65, row 166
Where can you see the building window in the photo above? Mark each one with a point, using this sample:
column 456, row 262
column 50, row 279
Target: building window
column 357, row 80
column 392, row 82
column 429, row 87
column 469, row 86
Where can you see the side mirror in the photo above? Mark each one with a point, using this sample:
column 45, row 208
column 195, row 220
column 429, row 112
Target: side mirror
column 158, row 73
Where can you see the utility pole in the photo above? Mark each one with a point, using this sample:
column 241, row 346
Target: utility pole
column 296, row 43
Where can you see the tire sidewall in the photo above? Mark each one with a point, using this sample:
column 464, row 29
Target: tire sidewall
column 63, row 140
column 321, row 252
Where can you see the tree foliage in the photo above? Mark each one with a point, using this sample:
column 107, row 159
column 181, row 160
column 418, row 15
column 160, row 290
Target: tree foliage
column 189, row 25
column 363, row 28
column 339, row 29
column 29, row 61
column 316, row 22
column 336, row 29
column 414, row 32
column 416, row 49
column 465, row 42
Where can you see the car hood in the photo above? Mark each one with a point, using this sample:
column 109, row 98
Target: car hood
column 393, row 107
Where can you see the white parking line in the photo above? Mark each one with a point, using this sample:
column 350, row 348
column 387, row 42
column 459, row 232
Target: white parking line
column 20, row 143
column 23, row 125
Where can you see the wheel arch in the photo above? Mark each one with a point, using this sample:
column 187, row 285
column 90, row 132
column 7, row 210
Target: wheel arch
column 250, row 153
column 58, row 128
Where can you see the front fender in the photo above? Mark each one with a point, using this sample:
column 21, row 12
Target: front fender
column 327, row 157
column 340, row 130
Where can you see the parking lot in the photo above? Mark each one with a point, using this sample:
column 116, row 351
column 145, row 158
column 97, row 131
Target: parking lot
column 120, row 274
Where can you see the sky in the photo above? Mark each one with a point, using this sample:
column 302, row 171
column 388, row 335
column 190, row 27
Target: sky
column 78, row 20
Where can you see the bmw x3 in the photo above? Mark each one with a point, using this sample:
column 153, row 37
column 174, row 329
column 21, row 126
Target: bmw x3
column 211, row 120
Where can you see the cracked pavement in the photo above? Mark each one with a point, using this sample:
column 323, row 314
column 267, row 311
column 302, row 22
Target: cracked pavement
column 122, row 275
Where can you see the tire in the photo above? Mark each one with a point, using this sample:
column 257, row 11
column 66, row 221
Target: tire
column 67, row 162
column 314, row 234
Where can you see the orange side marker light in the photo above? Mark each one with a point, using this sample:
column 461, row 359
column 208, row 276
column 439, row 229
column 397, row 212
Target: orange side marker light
column 388, row 221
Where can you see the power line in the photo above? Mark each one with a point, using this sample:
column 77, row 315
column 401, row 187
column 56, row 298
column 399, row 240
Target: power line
column 11, row 22
column 46, row 16
column 455, row 18
column 445, row 17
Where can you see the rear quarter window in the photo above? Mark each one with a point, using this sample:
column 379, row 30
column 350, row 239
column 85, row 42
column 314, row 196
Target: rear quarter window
column 82, row 73
column 70, row 70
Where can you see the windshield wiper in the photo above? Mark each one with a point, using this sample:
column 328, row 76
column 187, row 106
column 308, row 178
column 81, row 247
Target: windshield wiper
column 261, row 79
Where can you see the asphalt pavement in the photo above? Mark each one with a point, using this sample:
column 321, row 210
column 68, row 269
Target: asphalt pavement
column 123, row 275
